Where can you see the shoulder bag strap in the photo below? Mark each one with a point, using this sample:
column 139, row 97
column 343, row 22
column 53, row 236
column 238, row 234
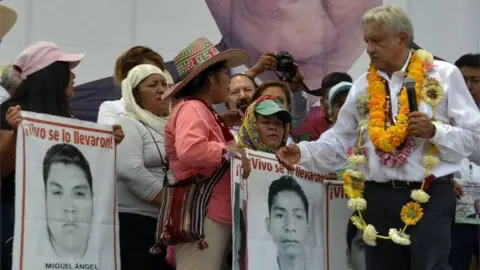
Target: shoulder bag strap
column 164, row 162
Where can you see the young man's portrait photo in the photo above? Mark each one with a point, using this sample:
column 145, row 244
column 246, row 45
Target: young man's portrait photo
column 288, row 222
column 68, row 199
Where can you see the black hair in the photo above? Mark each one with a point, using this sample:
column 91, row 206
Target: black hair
column 469, row 60
column 416, row 47
column 199, row 82
column 267, row 84
column 333, row 79
column 286, row 183
column 66, row 154
column 44, row 91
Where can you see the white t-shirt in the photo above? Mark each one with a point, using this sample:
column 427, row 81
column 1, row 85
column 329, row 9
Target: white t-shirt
column 110, row 111
column 4, row 95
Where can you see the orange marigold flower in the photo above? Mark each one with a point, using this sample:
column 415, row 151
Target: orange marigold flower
column 411, row 213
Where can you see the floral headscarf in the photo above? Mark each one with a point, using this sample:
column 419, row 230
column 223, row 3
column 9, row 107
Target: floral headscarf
column 248, row 136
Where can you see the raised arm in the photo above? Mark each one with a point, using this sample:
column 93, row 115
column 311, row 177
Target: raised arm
column 461, row 137
column 300, row 108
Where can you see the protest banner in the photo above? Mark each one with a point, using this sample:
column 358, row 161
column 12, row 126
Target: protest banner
column 283, row 215
column 336, row 219
column 239, row 195
column 468, row 205
column 65, row 205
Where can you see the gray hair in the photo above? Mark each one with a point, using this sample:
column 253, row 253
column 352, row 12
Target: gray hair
column 393, row 17
column 10, row 78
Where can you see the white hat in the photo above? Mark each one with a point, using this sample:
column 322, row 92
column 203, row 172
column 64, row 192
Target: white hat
column 336, row 89
column 8, row 17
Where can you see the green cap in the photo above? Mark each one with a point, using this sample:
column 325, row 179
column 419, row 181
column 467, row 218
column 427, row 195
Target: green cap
column 272, row 107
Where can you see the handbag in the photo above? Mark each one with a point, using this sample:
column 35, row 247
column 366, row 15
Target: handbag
column 184, row 207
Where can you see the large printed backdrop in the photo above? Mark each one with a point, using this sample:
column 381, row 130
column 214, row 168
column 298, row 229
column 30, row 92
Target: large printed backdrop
column 65, row 204
column 114, row 26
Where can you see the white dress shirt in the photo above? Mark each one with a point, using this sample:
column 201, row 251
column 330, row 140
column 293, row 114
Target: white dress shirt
column 110, row 111
column 457, row 136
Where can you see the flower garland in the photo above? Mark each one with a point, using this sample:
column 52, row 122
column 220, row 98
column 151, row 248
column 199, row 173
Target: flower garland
column 387, row 137
column 384, row 135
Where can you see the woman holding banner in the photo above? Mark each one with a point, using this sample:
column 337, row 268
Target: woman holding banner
column 46, row 87
column 264, row 128
column 141, row 165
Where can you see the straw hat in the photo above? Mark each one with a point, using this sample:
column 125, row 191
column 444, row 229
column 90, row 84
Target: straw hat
column 198, row 56
column 8, row 17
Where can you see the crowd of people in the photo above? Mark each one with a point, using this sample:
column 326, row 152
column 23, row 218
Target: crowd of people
column 170, row 139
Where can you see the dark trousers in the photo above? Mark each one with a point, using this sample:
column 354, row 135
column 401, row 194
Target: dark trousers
column 137, row 234
column 465, row 243
column 430, row 238
column 6, row 231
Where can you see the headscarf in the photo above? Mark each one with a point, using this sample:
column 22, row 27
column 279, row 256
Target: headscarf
column 248, row 136
column 132, row 109
column 168, row 77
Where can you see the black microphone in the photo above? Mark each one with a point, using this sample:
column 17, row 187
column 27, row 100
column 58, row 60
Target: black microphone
column 409, row 84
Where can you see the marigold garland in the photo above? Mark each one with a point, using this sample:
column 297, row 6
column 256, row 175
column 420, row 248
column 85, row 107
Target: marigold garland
column 387, row 137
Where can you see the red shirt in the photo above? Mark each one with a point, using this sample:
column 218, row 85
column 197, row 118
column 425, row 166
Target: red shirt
column 316, row 123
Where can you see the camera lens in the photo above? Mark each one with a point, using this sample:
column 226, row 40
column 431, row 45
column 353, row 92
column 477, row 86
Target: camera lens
column 285, row 64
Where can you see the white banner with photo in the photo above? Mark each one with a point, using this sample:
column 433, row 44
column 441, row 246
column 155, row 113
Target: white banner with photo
column 283, row 215
column 468, row 205
column 65, row 205
column 336, row 220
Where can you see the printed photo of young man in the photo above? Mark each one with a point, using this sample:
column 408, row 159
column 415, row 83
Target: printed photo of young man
column 288, row 223
column 69, row 200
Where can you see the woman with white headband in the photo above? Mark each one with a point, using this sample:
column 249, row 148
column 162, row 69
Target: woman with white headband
column 141, row 165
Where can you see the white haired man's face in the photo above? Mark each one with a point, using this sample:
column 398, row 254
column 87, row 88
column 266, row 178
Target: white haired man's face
column 383, row 46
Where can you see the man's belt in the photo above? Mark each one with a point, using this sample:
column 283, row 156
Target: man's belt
column 447, row 179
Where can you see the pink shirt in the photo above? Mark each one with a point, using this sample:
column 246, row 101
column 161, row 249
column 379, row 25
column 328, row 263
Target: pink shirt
column 194, row 144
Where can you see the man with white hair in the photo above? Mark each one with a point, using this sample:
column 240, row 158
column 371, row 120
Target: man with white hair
column 403, row 157
column 9, row 81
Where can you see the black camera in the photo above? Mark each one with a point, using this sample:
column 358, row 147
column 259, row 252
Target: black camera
column 286, row 65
